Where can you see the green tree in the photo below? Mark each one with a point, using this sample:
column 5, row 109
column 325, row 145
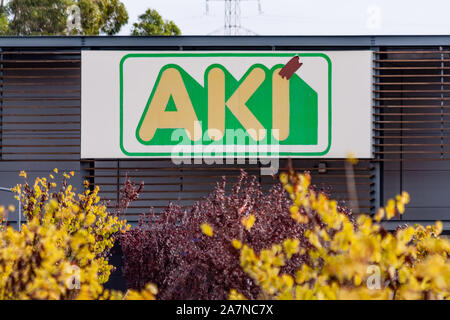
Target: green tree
column 43, row 17
column 51, row 17
column 4, row 23
column 102, row 16
column 152, row 24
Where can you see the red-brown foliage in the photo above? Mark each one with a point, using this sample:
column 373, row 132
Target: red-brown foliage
column 170, row 250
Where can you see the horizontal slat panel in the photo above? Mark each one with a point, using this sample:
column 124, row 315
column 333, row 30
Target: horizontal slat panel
column 185, row 184
column 412, row 118
column 40, row 105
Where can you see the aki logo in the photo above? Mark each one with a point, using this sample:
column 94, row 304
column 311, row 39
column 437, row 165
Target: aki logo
column 271, row 103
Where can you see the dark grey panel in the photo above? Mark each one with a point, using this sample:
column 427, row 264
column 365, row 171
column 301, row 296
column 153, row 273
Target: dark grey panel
column 391, row 183
column 427, row 213
column 430, row 195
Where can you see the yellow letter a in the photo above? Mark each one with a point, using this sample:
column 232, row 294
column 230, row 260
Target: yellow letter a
column 170, row 84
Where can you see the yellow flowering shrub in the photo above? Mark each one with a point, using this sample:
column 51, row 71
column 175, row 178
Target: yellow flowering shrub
column 350, row 259
column 61, row 250
column 2, row 217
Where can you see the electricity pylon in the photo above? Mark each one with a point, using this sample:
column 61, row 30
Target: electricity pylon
column 232, row 17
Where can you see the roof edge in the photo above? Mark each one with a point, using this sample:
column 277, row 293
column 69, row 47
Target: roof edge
column 225, row 41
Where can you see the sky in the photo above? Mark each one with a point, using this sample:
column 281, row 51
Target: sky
column 304, row 17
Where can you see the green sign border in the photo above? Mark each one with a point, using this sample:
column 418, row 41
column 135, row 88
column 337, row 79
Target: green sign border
column 247, row 154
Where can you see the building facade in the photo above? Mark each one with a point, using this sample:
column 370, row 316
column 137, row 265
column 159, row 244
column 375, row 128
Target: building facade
column 40, row 113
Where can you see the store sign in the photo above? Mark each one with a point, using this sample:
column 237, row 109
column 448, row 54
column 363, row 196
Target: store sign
column 226, row 104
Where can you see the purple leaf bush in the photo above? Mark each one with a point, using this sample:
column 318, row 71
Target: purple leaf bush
column 170, row 250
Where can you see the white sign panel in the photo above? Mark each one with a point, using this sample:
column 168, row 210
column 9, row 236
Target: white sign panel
column 226, row 104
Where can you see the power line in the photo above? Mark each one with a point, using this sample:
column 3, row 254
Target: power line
column 232, row 17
